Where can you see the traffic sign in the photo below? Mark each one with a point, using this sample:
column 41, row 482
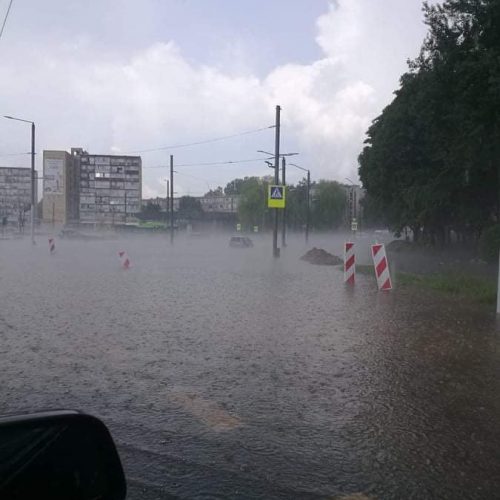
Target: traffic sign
column 238, row 227
column 354, row 225
column 276, row 196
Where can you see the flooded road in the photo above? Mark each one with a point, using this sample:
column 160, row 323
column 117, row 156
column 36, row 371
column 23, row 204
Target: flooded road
column 223, row 373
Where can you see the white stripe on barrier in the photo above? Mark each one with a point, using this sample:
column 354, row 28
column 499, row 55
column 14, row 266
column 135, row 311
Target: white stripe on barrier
column 349, row 263
column 381, row 266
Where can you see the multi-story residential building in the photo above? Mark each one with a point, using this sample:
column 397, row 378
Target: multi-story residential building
column 15, row 195
column 110, row 188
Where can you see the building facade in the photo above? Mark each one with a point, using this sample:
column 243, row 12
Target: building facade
column 15, row 195
column 220, row 204
column 110, row 188
column 60, row 187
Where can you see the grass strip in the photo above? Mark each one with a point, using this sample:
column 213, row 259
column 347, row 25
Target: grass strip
column 479, row 290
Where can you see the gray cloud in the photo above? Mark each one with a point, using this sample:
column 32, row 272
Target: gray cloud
column 108, row 97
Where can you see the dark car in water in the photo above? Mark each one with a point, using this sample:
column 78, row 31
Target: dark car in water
column 240, row 242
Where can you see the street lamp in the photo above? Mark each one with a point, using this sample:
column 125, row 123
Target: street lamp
column 33, row 201
column 308, row 197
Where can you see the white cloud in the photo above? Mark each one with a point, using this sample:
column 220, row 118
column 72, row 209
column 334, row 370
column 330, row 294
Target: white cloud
column 156, row 96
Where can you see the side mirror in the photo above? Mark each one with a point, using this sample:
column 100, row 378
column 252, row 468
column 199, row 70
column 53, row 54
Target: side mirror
column 61, row 455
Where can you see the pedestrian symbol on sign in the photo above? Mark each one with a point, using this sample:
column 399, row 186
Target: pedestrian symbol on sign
column 277, row 193
column 276, row 197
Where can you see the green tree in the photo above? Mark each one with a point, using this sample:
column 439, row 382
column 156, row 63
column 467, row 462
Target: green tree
column 189, row 208
column 215, row 192
column 430, row 159
column 151, row 211
column 252, row 208
column 328, row 207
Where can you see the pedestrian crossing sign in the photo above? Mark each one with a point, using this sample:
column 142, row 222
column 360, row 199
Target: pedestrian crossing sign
column 276, row 196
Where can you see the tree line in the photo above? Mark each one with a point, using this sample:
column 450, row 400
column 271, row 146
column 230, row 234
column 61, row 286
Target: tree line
column 431, row 160
column 327, row 203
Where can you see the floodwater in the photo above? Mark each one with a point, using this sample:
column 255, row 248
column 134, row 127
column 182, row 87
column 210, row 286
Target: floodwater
column 223, row 373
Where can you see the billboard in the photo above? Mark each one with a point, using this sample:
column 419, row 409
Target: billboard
column 53, row 176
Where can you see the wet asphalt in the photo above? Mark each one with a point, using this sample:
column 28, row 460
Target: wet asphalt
column 224, row 373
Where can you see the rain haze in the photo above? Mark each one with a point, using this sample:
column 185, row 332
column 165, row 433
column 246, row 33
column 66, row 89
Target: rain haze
column 232, row 259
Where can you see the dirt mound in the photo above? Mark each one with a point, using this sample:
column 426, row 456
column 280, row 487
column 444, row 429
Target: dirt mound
column 321, row 257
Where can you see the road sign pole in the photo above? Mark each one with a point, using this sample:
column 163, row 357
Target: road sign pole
column 276, row 180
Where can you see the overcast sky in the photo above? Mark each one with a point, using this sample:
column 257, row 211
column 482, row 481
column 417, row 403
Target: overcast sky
column 117, row 76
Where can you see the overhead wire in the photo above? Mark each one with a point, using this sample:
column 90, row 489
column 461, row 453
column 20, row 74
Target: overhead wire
column 206, row 164
column 13, row 154
column 5, row 18
column 197, row 143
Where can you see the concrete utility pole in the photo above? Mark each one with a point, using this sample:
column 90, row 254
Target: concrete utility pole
column 33, row 186
column 33, row 177
column 308, row 198
column 283, row 181
column 308, row 205
column 276, row 251
column 168, row 205
column 171, row 199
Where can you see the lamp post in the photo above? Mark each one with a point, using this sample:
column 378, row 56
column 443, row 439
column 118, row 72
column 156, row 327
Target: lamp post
column 33, row 178
column 308, row 197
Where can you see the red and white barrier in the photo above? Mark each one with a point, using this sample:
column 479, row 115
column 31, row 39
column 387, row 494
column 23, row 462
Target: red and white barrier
column 52, row 246
column 125, row 261
column 381, row 267
column 349, row 263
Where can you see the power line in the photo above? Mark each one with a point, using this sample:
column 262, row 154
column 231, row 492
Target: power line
column 5, row 19
column 208, row 141
column 13, row 154
column 230, row 162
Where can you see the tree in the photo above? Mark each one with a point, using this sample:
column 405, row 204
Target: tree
column 296, row 205
column 235, row 186
column 328, row 207
column 252, row 208
column 213, row 193
column 152, row 211
column 430, row 160
column 189, row 208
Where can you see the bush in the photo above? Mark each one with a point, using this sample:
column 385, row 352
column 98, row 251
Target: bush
column 489, row 243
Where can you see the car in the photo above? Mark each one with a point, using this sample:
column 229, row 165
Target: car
column 240, row 242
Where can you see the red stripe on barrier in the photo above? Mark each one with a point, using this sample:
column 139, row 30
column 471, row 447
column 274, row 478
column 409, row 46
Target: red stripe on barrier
column 348, row 246
column 350, row 261
column 387, row 285
column 375, row 249
column 381, row 266
column 350, row 280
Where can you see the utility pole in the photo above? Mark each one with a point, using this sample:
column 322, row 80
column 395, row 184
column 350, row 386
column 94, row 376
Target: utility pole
column 276, row 251
column 308, row 197
column 33, row 187
column 283, row 181
column 168, row 206
column 308, row 205
column 172, row 199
